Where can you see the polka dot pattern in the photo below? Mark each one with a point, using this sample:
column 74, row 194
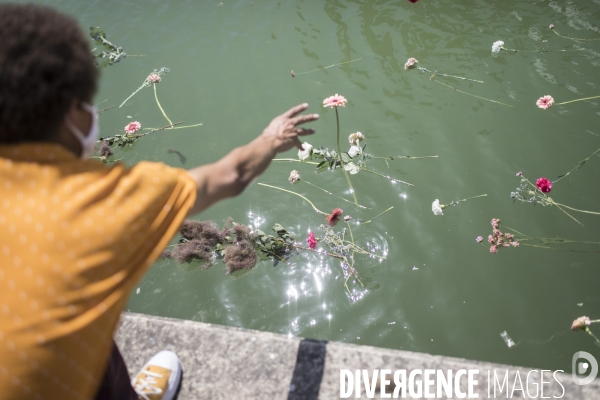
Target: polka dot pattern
column 79, row 235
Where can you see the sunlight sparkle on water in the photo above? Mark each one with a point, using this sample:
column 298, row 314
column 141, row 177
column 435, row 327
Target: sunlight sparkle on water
column 255, row 220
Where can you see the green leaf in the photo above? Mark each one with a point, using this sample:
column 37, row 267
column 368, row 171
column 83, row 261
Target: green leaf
column 322, row 166
column 346, row 158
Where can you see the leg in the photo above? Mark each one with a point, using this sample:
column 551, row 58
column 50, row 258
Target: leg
column 116, row 383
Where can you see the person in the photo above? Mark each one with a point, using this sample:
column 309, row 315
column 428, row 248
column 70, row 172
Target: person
column 76, row 234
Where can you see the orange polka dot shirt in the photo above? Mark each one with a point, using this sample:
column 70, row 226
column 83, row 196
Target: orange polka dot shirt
column 75, row 237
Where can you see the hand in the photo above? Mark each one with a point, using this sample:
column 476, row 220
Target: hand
column 282, row 133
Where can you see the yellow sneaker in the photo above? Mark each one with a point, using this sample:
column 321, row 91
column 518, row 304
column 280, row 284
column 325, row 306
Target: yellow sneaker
column 159, row 379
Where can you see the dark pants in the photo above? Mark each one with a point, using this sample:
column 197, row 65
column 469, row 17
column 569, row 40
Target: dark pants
column 116, row 383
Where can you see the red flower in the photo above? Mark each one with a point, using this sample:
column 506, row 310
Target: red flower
column 544, row 185
column 311, row 241
column 333, row 218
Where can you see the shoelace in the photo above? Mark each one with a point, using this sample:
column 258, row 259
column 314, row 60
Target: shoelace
column 144, row 387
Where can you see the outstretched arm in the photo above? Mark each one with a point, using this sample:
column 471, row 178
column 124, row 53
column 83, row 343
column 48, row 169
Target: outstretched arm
column 231, row 174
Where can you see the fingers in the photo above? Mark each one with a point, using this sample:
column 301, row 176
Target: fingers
column 302, row 119
column 295, row 110
column 304, row 132
column 297, row 143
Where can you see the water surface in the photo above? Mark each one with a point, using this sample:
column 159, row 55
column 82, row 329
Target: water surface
column 438, row 291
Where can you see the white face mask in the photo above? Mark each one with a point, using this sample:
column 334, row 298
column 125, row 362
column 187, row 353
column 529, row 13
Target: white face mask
column 87, row 142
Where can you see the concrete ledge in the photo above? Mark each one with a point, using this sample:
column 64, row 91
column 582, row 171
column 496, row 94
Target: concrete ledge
column 231, row 363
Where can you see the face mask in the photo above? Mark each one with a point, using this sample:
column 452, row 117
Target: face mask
column 87, row 142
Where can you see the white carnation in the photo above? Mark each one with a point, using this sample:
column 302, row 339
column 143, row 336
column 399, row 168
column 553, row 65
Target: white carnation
column 305, row 154
column 354, row 151
column 356, row 137
column 497, row 46
column 436, row 208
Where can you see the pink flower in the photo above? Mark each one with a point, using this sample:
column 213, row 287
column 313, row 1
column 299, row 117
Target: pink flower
column 544, row 185
column 519, row 173
column 311, row 241
column 505, row 244
column 413, row 1
column 411, row 63
column 497, row 232
column 495, row 223
column 515, row 244
column 335, row 101
column 132, row 127
column 493, row 249
column 545, row 102
column 479, row 239
column 490, row 239
column 581, row 323
column 508, row 236
column 153, row 78
column 333, row 218
column 551, row 26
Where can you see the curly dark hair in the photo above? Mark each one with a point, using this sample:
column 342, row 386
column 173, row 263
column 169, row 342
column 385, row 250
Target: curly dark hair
column 45, row 65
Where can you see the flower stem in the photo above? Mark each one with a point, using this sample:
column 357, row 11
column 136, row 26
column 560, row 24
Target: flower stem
column 415, row 158
column 567, row 37
column 469, row 94
column 159, row 106
column 573, row 101
column 293, row 159
column 588, row 331
column 386, row 177
column 575, row 209
column 324, row 68
column 378, row 215
column 337, row 120
column 328, row 192
column 577, row 167
column 105, row 109
column 318, row 251
column 297, row 194
column 469, row 198
column 449, row 76
column 132, row 94
column 351, row 238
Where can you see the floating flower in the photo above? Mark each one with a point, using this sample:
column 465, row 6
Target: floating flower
column 356, row 137
column 581, row 323
column 493, row 249
column 335, row 101
column 354, row 151
column 311, row 241
column 545, row 102
column 491, row 239
column 437, row 208
column 544, row 185
column 479, row 239
column 347, row 218
column 334, row 217
column 497, row 46
column 411, row 63
column 132, row 127
column 305, row 154
column 495, row 223
column 153, row 78
column 551, row 26
column 294, row 177
column 515, row 244
column 519, row 173
column 413, row 1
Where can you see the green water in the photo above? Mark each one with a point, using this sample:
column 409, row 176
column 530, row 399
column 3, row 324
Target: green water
column 230, row 70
